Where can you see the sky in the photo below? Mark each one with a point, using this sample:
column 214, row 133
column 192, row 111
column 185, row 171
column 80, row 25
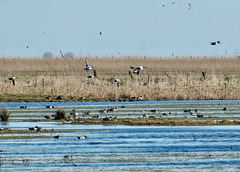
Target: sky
column 156, row 28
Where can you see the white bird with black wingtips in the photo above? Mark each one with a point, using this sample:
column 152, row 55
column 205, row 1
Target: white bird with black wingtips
column 137, row 69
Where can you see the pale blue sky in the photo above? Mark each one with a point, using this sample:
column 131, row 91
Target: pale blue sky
column 129, row 27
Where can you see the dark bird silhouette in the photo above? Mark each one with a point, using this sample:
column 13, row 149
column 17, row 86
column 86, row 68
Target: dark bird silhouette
column 215, row 42
column 190, row 6
column 100, row 33
column 13, row 79
column 56, row 137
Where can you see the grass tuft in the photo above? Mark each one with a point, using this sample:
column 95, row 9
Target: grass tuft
column 60, row 114
column 4, row 114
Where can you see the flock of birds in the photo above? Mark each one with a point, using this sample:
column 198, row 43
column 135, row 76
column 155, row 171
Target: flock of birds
column 91, row 72
column 189, row 5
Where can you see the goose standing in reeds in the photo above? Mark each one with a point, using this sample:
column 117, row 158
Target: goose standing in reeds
column 13, row 79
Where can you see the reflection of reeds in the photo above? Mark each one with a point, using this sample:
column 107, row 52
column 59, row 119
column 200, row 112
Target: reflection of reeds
column 1, row 161
column 163, row 79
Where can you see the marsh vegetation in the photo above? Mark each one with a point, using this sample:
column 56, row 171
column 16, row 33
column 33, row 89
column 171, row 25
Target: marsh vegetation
column 163, row 79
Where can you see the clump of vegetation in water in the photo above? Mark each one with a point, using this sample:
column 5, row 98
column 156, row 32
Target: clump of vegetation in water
column 4, row 114
column 60, row 114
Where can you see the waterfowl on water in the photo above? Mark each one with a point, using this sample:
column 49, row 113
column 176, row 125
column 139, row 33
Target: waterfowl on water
column 13, row 79
column 82, row 137
column 112, row 109
column 88, row 113
column 36, row 128
column 49, row 107
column 23, row 107
column 145, row 115
column 95, row 116
column 193, row 113
column 102, row 111
column 56, row 137
column 74, row 113
column 154, row 110
column 167, row 114
column 189, row 110
column 49, row 116
column 67, row 155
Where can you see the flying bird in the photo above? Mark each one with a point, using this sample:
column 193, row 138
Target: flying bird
column 137, row 69
column 215, row 43
column 116, row 81
column 190, row 6
column 13, row 79
column 100, row 33
column 90, row 75
column 88, row 67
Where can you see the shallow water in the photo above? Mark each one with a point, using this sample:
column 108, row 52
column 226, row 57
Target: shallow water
column 127, row 147
column 37, row 110
column 123, row 148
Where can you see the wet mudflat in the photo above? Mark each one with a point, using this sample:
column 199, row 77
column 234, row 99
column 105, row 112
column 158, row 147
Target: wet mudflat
column 121, row 147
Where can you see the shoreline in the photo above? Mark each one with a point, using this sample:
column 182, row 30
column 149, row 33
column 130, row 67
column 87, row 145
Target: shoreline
column 48, row 98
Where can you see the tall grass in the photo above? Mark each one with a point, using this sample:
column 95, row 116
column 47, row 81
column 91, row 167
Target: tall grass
column 163, row 79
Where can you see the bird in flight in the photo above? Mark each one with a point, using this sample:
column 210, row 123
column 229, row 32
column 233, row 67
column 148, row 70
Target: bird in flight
column 88, row 67
column 13, row 79
column 215, row 42
column 190, row 6
column 137, row 69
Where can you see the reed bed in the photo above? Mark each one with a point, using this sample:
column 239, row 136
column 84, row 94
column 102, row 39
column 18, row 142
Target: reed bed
column 182, row 78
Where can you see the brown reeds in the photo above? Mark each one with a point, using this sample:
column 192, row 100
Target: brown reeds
column 163, row 79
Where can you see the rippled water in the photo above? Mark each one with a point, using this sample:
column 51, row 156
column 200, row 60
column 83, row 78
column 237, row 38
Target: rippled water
column 124, row 148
